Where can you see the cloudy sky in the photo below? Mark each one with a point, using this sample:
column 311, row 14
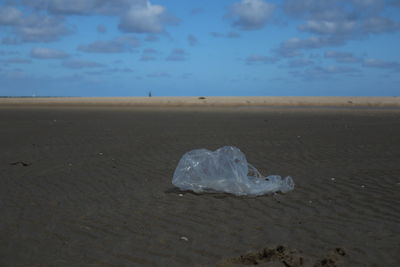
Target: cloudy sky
column 209, row 47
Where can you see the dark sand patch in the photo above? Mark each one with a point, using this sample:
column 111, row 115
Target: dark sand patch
column 285, row 257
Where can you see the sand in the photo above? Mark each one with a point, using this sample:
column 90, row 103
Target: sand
column 211, row 101
column 90, row 185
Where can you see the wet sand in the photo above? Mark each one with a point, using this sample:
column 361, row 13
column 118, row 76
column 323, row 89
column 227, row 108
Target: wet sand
column 91, row 186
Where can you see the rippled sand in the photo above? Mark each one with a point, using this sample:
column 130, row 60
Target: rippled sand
column 91, row 186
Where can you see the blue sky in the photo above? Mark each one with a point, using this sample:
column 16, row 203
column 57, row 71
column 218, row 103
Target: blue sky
column 192, row 48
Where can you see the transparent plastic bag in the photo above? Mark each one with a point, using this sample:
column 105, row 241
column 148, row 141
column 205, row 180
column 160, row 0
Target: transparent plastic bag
column 225, row 170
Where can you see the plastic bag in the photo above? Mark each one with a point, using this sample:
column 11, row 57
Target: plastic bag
column 225, row 170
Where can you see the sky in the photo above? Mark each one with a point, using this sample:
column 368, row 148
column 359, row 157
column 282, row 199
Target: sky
column 200, row 48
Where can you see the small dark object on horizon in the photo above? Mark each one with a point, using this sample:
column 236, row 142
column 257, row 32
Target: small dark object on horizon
column 150, row 94
column 202, row 97
column 21, row 163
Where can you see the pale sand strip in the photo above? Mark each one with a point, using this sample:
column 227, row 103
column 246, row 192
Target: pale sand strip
column 212, row 101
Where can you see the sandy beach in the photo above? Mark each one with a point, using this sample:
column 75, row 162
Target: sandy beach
column 215, row 101
column 88, row 182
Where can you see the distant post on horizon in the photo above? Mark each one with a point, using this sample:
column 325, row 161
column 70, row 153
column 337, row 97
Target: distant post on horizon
column 149, row 93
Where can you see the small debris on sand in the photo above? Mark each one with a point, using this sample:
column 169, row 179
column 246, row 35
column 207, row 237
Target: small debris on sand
column 21, row 163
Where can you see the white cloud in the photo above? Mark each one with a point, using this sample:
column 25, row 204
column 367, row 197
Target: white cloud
column 292, row 47
column 327, row 27
column 192, row 40
column 9, row 41
column 349, row 19
column 342, row 57
column 251, row 14
column 41, row 29
column 146, row 19
column 152, row 38
column 177, row 54
column 9, row 15
column 381, row 64
column 333, row 70
column 147, row 58
column 32, row 27
column 369, row 3
column 150, row 51
column 217, row 34
column 253, row 59
column 101, row 28
column 70, row 6
column 47, row 53
column 300, row 63
column 312, row 42
column 110, row 71
column 81, row 64
column 16, row 60
column 149, row 54
column 324, row 72
column 118, row 45
column 395, row 3
column 351, row 28
column 7, row 53
column 139, row 16
column 159, row 74
column 380, row 25
column 334, row 25
column 196, row 11
column 308, row 7
column 332, row 9
column 223, row 35
column 85, row 7
column 233, row 35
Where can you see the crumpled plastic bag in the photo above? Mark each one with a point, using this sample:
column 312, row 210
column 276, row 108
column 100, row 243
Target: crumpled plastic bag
column 225, row 170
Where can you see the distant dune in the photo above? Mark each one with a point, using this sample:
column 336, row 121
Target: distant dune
column 212, row 101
